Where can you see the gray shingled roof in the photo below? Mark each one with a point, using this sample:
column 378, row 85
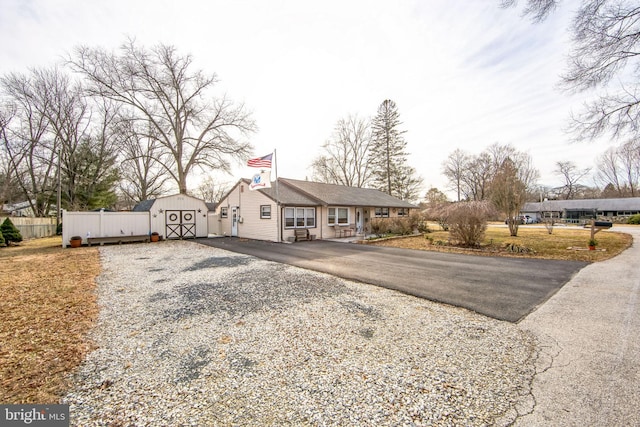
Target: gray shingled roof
column 289, row 196
column 144, row 206
column 624, row 204
column 341, row 195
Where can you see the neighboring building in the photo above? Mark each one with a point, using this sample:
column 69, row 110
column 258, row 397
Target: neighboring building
column 176, row 217
column 583, row 210
column 325, row 210
column 23, row 209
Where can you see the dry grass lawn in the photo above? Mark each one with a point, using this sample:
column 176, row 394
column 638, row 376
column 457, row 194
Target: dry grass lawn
column 48, row 304
column 564, row 243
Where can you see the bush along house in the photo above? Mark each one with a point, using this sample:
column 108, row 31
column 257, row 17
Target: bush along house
column 299, row 210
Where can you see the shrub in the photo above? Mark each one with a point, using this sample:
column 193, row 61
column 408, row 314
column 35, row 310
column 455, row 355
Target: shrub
column 634, row 219
column 400, row 226
column 1, row 239
column 379, row 227
column 10, row 232
column 468, row 222
column 418, row 221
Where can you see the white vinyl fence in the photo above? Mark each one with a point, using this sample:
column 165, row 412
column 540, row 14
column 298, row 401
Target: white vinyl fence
column 103, row 224
column 33, row 228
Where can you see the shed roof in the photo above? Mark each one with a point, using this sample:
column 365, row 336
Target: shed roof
column 622, row 204
column 146, row 205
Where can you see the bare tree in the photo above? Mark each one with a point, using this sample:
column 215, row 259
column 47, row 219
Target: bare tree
column 572, row 176
column 212, row 191
column 142, row 175
column 527, row 173
column 159, row 87
column 9, row 187
column 509, row 193
column 57, row 141
column 345, row 158
column 478, row 177
column 629, row 154
column 30, row 147
column 606, row 56
column 454, row 168
column 619, row 170
column 472, row 175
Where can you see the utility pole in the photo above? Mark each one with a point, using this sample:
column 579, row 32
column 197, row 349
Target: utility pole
column 59, row 199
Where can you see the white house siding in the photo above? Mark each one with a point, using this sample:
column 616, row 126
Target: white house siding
column 288, row 233
column 213, row 221
column 179, row 202
column 248, row 202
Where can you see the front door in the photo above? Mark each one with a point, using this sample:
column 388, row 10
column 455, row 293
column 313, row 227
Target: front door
column 359, row 220
column 180, row 224
column 235, row 214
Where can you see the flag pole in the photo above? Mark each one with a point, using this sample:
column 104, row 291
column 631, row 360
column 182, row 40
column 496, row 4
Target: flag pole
column 278, row 210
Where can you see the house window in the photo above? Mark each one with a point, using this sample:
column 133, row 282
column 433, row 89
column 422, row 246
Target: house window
column 403, row 211
column 338, row 216
column 382, row 213
column 299, row 217
column 265, row 211
column 310, row 215
column 224, row 212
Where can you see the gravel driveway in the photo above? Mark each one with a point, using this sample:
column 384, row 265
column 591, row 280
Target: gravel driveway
column 195, row 335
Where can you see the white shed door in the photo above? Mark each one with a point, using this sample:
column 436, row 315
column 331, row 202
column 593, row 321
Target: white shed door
column 180, row 224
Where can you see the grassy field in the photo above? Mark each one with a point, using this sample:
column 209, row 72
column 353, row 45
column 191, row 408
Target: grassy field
column 48, row 305
column 564, row 243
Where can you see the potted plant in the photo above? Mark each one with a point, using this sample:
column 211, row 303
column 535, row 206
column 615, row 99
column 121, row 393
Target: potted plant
column 592, row 244
column 155, row 236
column 75, row 241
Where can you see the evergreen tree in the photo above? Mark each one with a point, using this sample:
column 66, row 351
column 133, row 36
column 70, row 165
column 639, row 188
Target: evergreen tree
column 387, row 156
column 10, row 232
column 1, row 239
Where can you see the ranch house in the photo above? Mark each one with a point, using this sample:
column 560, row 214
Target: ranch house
column 292, row 209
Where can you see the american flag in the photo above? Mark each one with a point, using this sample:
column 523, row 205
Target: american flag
column 261, row 162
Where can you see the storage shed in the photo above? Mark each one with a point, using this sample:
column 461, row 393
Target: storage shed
column 179, row 216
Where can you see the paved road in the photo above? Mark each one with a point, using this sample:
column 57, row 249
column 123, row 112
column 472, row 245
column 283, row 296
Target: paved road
column 589, row 335
column 502, row 288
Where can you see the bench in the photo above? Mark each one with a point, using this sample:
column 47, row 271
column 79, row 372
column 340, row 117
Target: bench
column 118, row 239
column 344, row 232
column 302, row 235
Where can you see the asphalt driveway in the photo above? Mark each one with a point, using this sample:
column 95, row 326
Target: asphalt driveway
column 502, row 288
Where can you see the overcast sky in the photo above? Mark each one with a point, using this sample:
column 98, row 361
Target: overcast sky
column 464, row 74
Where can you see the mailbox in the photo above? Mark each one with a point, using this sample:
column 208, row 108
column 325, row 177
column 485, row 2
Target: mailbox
column 603, row 224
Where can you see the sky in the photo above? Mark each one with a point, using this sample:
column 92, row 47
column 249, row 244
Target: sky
column 464, row 74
